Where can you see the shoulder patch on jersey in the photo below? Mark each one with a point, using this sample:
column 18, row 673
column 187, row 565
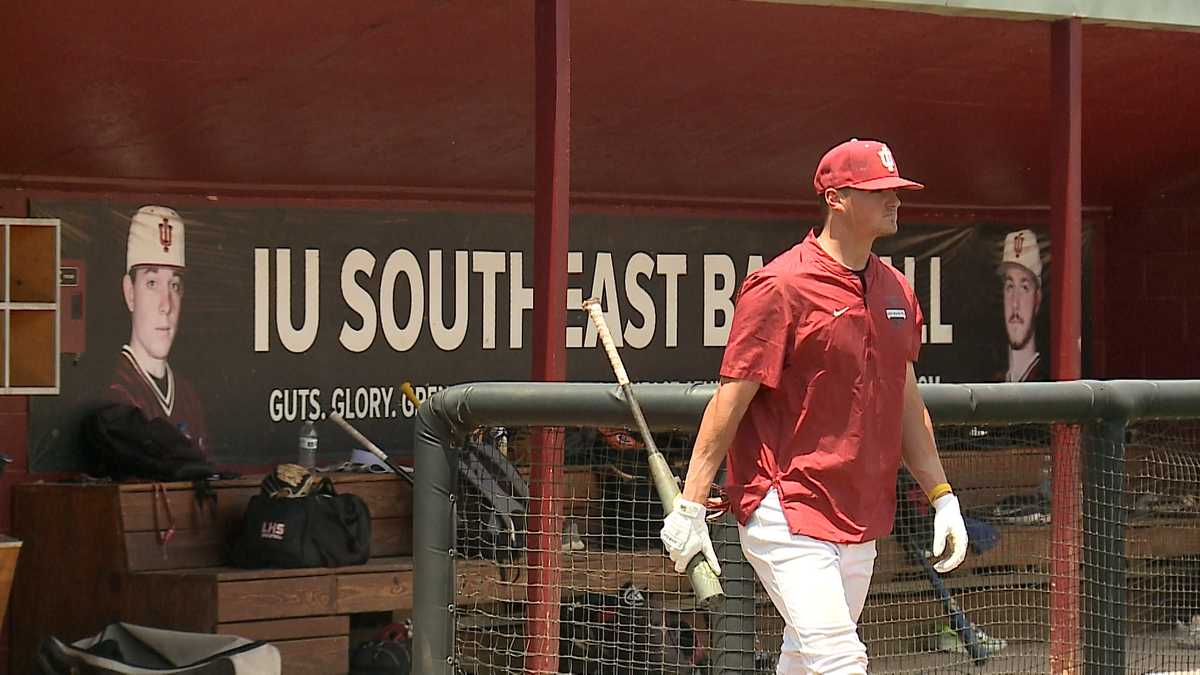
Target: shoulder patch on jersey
column 897, row 313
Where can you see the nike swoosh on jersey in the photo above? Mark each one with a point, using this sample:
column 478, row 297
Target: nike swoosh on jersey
column 839, row 312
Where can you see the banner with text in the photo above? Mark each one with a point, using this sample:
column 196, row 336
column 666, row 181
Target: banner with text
column 272, row 316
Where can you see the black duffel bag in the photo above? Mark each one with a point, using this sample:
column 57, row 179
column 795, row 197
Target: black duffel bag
column 389, row 654
column 299, row 520
column 382, row 657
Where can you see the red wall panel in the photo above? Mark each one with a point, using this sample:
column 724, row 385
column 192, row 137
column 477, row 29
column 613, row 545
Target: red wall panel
column 1152, row 313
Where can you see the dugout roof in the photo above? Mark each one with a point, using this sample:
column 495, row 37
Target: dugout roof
column 694, row 99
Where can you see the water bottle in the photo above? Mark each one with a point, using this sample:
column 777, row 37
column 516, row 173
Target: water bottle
column 308, row 445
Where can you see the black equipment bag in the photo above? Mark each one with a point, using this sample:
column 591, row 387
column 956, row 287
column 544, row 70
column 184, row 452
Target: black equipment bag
column 382, row 657
column 317, row 528
column 493, row 501
column 631, row 513
column 124, row 444
column 389, row 653
column 625, row 633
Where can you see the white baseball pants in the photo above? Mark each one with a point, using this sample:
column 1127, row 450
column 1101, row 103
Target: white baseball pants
column 819, row 589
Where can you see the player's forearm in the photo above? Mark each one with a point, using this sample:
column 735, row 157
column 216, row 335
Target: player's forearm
column 706, row 458
column 920, row 451
column 918, row 448
column 717, row 429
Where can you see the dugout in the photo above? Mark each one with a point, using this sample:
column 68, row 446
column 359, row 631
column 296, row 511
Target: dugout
column 699, row 120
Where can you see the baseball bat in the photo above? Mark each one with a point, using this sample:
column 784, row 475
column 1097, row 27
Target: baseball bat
column 370, row 447
column 906, row 512
column 958, row 618
column 407, row 390
column 704, row 582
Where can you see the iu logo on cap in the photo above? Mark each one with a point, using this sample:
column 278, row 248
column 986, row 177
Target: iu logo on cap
column 885, row 157
column 1018, row 244
column 164, row 235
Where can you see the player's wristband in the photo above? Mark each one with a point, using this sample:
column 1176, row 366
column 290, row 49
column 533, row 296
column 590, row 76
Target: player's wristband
column 939, row 490
column 689, row 508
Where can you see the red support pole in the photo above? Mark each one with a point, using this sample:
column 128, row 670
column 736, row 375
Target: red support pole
column 1066, row 299
column 1066, row 202
column 552, row 160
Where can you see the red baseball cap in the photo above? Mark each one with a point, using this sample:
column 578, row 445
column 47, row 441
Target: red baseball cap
column 862, row 165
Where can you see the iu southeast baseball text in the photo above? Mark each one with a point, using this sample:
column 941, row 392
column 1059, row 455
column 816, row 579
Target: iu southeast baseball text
column 641, row 294
column 353, row 403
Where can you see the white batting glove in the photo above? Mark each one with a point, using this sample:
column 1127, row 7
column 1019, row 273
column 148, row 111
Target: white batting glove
column 685, row 533
column 948, row 523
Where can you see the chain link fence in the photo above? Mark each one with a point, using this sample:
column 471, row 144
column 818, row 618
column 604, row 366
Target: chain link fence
column 584, row 586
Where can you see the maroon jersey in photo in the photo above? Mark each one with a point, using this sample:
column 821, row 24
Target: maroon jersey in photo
column 178, row 404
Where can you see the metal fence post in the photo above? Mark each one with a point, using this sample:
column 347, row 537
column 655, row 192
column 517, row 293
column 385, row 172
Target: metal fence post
column 733, row 625
column 1104, row 563
column 433, row 542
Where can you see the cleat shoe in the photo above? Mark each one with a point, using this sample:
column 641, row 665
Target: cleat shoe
column 571, row 539
column 1187, row 635
column 947, row 641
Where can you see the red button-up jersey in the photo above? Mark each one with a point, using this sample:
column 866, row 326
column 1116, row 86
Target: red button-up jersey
column 831, row 347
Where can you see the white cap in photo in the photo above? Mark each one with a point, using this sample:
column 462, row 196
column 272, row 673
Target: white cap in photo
column 155, row 238
column 1021, row 248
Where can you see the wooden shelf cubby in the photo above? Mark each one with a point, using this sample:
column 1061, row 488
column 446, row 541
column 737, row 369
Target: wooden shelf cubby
column 29, row 308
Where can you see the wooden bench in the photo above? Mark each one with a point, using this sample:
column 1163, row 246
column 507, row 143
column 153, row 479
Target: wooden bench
column 95, row 553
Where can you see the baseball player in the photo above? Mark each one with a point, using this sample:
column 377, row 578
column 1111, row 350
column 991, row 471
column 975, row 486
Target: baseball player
column 816, row 407
column 1021, row 270
column 153, row 288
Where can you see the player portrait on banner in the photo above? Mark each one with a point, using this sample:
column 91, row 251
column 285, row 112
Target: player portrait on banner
column 1021, row 278
column 153, row 290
